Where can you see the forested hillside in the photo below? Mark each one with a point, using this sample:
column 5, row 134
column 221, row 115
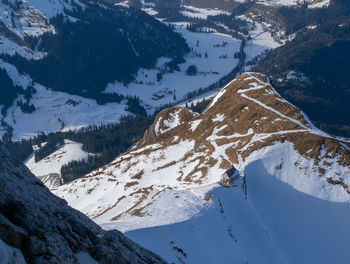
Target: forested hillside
column 311, row 70
column 98, row 45
column 104, row 143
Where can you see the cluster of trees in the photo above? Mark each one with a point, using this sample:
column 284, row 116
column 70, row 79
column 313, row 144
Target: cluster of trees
column 198, row 107
column 50, row 147
column 21, row 149
column 170, row 10
column 103, row 142
column 237, row 26
column 76, row 169
column 102, row 46
column 26, row 107
column 8, row 91
column 173, row 65
column 15, row 5
column 322, row 55
column 191, row 70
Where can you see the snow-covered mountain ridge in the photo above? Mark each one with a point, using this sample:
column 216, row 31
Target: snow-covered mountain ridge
column 310, row 3
column 248, row 138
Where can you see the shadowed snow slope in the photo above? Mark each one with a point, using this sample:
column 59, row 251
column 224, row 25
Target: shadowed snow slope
column 287, row 192
column 38, row 227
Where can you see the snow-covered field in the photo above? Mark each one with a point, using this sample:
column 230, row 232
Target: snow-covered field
column 210, row 69
column 56, row 110
column 49, row 168
column 53, row 110
column 201, row 13
column 211, row 53
column 260, row 41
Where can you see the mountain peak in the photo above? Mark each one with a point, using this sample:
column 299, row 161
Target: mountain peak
column 250, row 113
column 215, row 172
column 246, row 121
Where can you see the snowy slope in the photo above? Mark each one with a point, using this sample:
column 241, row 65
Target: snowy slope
column 61, row 111
column 56, row 110
column 281, row 174
column 311, row 3
column 39, row 227
column 48, row 170
column 273, row 223
column 20, row 19
column 202, row 13
column 210, row 69
column 53, row 110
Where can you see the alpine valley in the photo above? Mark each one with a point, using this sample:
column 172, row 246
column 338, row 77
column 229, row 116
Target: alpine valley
column 179, row 131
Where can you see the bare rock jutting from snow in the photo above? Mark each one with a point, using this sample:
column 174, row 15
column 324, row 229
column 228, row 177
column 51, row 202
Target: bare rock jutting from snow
column 38, row 227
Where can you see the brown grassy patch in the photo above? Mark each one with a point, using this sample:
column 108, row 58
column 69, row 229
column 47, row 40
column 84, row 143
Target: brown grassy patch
column 111, row 207
column 339, row 182
column 165, row 166
column 129, row 184
column 138, row 175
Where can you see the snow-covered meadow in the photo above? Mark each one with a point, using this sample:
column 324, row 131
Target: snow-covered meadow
column 208, row 52
column 56, row 111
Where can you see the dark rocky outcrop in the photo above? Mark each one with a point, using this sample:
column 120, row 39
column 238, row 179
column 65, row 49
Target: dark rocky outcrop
column 46, row 230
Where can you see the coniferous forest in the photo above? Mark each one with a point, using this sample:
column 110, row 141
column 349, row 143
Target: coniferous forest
column 103, row 143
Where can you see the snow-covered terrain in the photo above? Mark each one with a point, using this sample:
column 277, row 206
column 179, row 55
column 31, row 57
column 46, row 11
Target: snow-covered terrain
column 61, row 111
column 202, row 13
column 271, row 223
column 211, row 53
column 260, row 41
column 38, row 227
column 56, row 110
column 244, row 182
column 311, row 3
column 208, row 52
column 53, row 110
column 31, row 17
column 49, row 168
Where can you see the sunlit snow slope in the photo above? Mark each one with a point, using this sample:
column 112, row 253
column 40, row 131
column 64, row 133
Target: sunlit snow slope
column 286, row 198
column 48, row 169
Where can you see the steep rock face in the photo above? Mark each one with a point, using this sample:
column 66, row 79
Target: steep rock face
column 250, row 134
column 46, row 230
